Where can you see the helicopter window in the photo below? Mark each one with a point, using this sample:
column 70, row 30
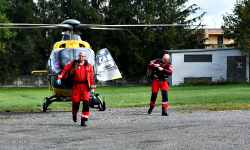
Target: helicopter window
column 78, row 37
column 104, row 56
column 54, row 61
column 60, row 57
column 65, row 56
column 105, row 60
column 74, row 37
column 102, row 59
column 63, row 46
column 66, row 37
column 90, row 58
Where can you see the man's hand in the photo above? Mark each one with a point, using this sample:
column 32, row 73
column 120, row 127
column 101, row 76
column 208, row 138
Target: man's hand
column 160, row 68
column 58, row 81
column 156, row 65
column 92, row 91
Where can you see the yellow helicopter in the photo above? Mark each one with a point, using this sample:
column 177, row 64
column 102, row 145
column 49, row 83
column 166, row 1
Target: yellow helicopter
column 68, row 49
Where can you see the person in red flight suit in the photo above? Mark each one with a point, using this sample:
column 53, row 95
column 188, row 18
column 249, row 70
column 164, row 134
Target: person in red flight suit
column 161, row 69
column 84, row 80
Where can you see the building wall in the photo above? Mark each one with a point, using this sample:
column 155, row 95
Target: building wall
column 213, row 39
column 212, row 35
column 215, row 69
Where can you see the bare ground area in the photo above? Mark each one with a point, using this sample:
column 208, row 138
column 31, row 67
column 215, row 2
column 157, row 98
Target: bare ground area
column 126, row 128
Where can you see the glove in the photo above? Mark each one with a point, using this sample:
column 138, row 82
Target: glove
column 58, row 81
column 92, row 91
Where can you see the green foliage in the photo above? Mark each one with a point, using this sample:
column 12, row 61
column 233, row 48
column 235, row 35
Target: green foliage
column 6, row 35
column 143, row 44
column 236, row 26
column 136, row 46
column 211, row 83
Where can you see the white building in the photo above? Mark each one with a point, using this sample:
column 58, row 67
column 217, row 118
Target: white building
column 208, row 65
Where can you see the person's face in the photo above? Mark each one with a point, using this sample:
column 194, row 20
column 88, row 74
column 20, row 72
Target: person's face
column 82, row 56
column 165, row 59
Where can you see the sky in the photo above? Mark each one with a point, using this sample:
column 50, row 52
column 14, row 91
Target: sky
column 215, row 9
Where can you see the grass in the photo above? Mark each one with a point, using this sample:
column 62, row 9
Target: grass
column 26, row 98
column 9, row 117
column 216, row 97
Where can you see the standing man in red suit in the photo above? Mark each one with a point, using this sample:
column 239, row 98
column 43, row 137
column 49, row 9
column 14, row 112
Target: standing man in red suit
column 161, row 70
column 83, row 82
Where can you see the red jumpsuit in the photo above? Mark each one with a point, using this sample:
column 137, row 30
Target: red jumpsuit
column 80, row 91
column 160, row 82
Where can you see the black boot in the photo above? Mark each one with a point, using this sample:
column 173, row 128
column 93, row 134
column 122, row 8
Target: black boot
column 164, row 112
column 150, row 110
column 74, row 118
column 83, row 122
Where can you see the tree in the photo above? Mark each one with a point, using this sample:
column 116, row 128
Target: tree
column 5, row 54
column 27, row 45
column 132, row 49
column 237, row 26
column 142, row 44
column 5, row 33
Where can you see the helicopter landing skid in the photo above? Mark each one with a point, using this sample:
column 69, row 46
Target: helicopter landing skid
column 95, row 100
column 48, row 102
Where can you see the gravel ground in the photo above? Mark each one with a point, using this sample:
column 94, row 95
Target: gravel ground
column 126, row 128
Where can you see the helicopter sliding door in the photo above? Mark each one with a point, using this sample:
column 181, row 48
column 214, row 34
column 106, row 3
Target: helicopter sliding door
column 106, row 66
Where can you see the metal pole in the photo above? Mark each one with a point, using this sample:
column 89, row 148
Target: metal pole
column 214, row 23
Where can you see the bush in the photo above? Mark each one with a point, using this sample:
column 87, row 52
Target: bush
column 211, row 83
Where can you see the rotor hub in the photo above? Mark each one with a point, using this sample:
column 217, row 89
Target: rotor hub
column 71, row 22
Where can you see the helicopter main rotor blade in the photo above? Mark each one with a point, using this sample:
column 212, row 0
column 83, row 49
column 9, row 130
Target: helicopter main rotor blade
column 20, row 25
column 24, row 24
column 107, row 28
column 128, row 25
column 144, row 25
column 74, row 24
column 81, row 26
column 60, row 26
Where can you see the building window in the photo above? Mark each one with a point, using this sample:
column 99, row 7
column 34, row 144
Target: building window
column 220, row 41
column 198, row 58
column 197, row 79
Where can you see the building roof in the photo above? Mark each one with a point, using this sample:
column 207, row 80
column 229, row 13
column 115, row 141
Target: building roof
column 199, row 50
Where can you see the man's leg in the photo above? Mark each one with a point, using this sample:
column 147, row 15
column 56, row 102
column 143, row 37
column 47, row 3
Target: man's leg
column 155, row 89
column 85, row 112
column 85, row 95
column 75, row 102
column 75, row 108
column 164, row 92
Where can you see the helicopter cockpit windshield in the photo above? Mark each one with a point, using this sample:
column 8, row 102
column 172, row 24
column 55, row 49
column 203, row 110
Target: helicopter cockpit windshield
column 60, row 57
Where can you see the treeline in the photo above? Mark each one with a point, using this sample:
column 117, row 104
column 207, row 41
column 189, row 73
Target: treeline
column 24, row 50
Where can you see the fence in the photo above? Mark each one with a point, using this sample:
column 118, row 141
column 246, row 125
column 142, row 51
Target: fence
column 41, row 81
